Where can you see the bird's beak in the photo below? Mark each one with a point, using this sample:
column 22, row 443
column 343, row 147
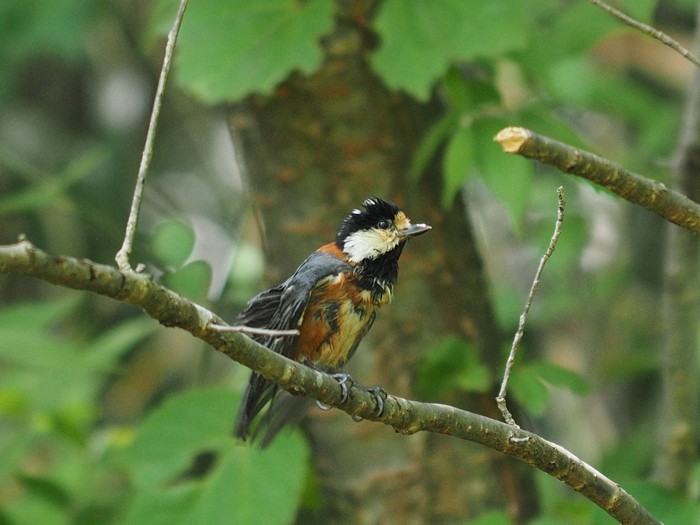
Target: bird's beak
column 413, row 230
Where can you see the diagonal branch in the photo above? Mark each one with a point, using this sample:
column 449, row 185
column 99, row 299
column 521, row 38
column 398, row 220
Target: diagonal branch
column 406, row 416
column 647, row 30
column 650, row 194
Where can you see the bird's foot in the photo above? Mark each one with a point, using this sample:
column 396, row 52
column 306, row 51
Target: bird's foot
column 379, row 397
column 345, row 382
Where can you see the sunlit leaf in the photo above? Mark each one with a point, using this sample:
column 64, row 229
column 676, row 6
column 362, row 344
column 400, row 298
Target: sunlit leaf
column 228, row 50
column 419, row 40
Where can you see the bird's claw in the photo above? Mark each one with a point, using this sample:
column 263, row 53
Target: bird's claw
column 379, row 397
column 345, row 382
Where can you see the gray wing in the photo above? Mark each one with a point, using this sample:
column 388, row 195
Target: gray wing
column 279, row 308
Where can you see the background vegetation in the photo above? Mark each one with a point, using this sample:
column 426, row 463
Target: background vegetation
column 107, row 418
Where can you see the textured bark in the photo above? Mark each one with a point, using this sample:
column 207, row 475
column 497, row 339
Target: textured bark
column 313, row 151
column 678, row 427
column 406, row 416
column 672, row 205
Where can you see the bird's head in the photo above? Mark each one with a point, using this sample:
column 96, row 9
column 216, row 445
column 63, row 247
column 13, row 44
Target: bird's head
column 375, row 231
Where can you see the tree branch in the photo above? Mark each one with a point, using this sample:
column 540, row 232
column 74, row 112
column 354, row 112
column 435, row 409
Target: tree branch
column 406, row 416
column 122, row 256
column 677, row 418
column 501, row 398
column 650, row 194
column 647, row 30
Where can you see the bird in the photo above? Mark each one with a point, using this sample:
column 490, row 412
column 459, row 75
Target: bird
column 332, row 301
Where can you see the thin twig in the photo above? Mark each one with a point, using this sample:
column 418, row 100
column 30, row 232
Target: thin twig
column 501, row 399
column 647, row 30
column 252, row 330
column 122, row 257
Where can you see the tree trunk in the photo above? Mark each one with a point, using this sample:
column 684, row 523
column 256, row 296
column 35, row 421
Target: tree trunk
column 312, row 152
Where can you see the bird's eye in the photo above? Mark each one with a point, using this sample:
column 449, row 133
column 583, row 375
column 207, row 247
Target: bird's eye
column 384, row 224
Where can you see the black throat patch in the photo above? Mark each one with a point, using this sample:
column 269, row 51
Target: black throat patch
column 376, row 275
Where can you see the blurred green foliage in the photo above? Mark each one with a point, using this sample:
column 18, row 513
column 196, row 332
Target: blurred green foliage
column 236, row 485
column 66, row 177
column 171, row 244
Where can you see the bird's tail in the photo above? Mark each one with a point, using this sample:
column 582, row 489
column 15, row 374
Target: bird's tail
column 283, row 409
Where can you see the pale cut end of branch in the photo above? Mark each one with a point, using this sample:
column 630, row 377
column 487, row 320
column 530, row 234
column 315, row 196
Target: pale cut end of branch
column 512, row 138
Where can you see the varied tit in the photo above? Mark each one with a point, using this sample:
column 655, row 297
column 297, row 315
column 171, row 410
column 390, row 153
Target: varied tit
column 332, row 300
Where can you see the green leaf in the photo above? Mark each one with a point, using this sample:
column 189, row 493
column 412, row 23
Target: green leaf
column 432, row 140
column 457, row 164
column 192, row 280
column 457, row 90
column 58, row 27
column 569, row 31
column 174, row 432
column 475, row 377
column 642, row 10
column 509, row 178
column 508, row 303
column 172, row 243
column 237, row 489
column 33, row 508
column 27, row 339
column 528, row 390
column 561, row 377
column 493, row 517
column 106, row 350
column 452, row 363
column 419, row 39
column 49, row 188
column 250, row 478
column 162, row 507
column 228, row 50
column 37, row 315
column 664, row 504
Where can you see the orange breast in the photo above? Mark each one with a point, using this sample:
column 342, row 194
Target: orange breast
column 336, row 318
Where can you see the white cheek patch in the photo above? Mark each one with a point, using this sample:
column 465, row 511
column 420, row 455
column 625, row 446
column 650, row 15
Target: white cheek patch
column 369, row 244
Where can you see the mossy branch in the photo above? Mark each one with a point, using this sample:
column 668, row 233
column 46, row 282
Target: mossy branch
column 650, row 194
column 404, row 415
